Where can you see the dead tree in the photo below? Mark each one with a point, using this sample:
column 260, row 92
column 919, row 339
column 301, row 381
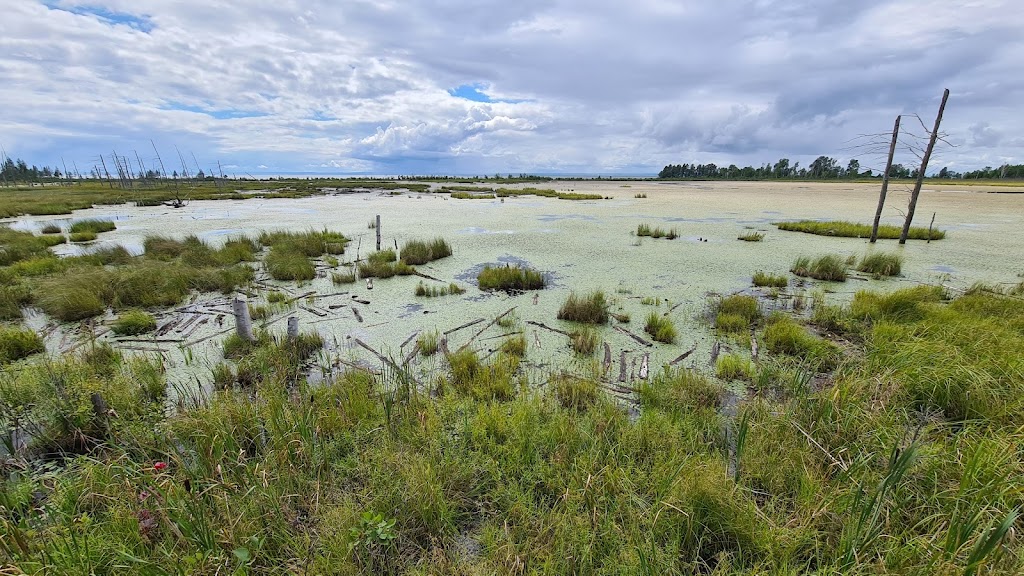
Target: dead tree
column 924, row 166
column 885, row 181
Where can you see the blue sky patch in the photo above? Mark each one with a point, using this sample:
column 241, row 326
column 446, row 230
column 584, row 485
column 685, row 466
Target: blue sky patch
column 140, row 23
column 213, row 113
column 475, row 93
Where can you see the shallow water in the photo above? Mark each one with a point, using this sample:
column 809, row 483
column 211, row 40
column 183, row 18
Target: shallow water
column 579, row 245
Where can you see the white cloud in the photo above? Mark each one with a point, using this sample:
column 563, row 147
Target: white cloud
column 594, row 86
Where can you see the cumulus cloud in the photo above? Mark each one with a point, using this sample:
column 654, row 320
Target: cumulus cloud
column 598, row 86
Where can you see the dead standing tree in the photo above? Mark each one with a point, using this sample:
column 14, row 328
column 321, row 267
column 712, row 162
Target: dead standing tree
column 924, row 166
column 885, row 181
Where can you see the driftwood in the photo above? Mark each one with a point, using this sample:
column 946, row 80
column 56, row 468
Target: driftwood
column 634, row 336
column 622, row 366
column 715, row 350
column 300, row 297
column 482, row 330
column 313, row 311
column 672, row 309
column 546, row 327
column 443, row 345
column 151, row 340
column 683, row 356
column 644, row 366
column 373, row 371
column 466, row 325
column 516, row 333
column 335, row 306
column 355, row 311
column 427, row 276
column 361, row 301
column 195, row 328
column 412, row 354
column 409, row 339
column 753, row 346
column 205, row 338
column 607, row 364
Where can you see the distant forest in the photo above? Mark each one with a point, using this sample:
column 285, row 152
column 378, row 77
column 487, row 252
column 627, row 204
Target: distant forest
column 825, row 168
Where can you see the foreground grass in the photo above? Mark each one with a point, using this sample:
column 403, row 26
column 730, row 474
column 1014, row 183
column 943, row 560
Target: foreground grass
column 901, row 464
column 854, row 230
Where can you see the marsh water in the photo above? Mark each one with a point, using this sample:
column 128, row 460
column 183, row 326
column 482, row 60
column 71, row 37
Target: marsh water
column 579, row 245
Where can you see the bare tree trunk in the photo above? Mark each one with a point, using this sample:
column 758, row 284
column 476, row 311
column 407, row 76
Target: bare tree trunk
column 243, row 322
column 378, row 232
column 885, row 181
column 105, row 171
column 924, row 166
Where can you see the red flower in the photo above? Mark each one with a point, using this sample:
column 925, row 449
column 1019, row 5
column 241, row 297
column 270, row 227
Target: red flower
column 159, row 466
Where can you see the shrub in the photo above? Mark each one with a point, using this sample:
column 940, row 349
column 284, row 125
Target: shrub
column 583, row 341
column 763, row 279
column 591, row 308
column 828, row 267
column 509, row 279
column 660, row 328
column 134, row 322
column 94, row 226
column 881, row 264
column 16, row 344
column 751, row 237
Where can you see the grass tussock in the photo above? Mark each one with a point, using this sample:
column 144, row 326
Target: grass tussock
column 17, row 343
column 584, row 340
column 428, row 342
column 344, row 277
column 435, row 291
column 853, row 230
column 785, row 336
column 766, row 280
column 509, row 278
column 829, row 267
column 94, row 226
column 469, row 196
column 52, row 228
column 514, row 346
column 734, row 367
column 286, row 264
column 573, row 392
column 753, row 236
column 311, row 243
column 384, row 264
column 416, row 252
column 133, row 323
column 590, row 308
column 881, row 264
column 660, row 328
column 79, row 237
column 656, row 232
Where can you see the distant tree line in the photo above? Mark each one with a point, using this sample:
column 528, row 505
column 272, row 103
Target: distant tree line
column 824, row 168
column 18, row 170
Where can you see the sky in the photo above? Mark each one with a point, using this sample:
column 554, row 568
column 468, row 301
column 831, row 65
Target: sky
column 480, row 87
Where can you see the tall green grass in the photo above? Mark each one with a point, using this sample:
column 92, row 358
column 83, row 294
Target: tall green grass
column 881, row 264
column 660, row 328
column 94, row 226
column 656, row 232
column 852, row 230
column 590, row 308
column 509, row 278
column 828, row 267
column 417, row 252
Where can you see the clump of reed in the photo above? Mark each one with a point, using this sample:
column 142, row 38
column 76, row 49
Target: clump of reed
column 276, row 297
column 899, row 306
column 17, row 343
column 509, row 278
column 785, row 336
column 289, row 264
column 829, row 267
column 514, row 346
column 584, row 340
column 428, row 342
column 763, row 279
column 881, row 264
column 51, row 228
column 417, row 252
column 133, row 323
column 435, row 291
column 853, row 230
column 735, row 314
column 640, row 195
column 656, row 232
column 660, row 328
column 79, row 237
column 573, row 392
column 311, row 243
column 734, row 367
column 345, row 277
column 590, row 308
column 384, row 264
column 94, row 226
column 193, row 251
column 753, row 236
column 469, row 196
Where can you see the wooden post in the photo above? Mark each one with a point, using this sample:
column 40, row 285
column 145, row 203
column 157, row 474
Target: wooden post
column 378, row 232
column 885, row 181
column 932, row 223
column 243, row 322
column 924, row 166
column 293, row 328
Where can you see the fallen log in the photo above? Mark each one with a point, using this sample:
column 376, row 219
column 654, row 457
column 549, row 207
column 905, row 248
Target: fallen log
column 546, row 327
column 683, row 356
column 466, row 325
column 634, row 336
column 482, row 330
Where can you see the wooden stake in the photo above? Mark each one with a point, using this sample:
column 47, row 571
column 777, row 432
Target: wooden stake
column 243, row 322
column 293, row 328
column 885, row 181
column 930, row 225
column 378, row 232
column 924, row 166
